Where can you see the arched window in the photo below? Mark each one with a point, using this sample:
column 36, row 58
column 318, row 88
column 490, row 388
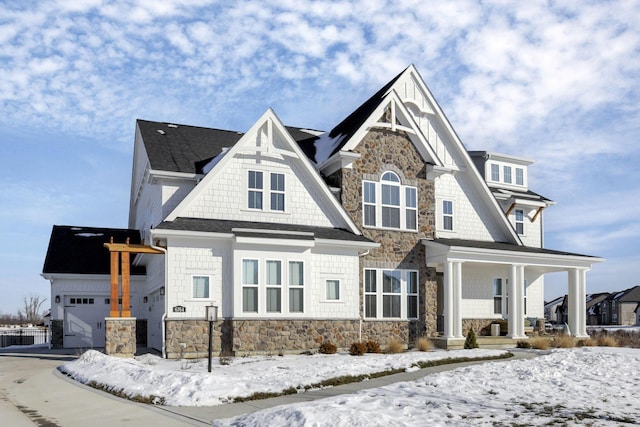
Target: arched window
column 389, row 204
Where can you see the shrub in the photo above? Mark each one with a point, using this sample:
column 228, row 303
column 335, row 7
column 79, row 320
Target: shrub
column 328, row 348
column 394, row 347
column 563, row 341
column 471, row 341
column 424, row 344
column 539, row 343
column 373, row 347
column 358, row 349
column 524, row 344
column 607, row 341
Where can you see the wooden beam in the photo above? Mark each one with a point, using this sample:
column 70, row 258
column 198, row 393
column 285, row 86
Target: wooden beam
column 126, row 305
column 513, row 205
column 115, row 310
column 538, row 212
column 138, row 249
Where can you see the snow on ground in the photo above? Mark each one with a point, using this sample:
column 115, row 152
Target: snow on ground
column 589, row 386
column 187, row 382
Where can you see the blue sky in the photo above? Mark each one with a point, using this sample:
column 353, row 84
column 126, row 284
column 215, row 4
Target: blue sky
column 552, row 81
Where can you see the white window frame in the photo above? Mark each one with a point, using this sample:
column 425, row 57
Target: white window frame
column 495, row 172
column 247, row 285
column 403, row 206
column 448, row 215
column 498, row 297
column 519, row 222
column 291, row 287
column 208, row 286
column 377, row 295
column 520, row 176
column 326, row 289
column 506, row 172
column 267, row 191
column 269, row 286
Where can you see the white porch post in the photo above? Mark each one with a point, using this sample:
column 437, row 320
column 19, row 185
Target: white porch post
column 520, row 301
column 457, row 299
column 581, row 331
column 512, row 293
column 573, row 297
column 448, row 299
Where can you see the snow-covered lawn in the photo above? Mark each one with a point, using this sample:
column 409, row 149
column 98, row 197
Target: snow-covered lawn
column 187, row 382
column 589, row 386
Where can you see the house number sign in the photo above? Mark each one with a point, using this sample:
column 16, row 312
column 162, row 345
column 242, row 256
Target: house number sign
column 179, row 309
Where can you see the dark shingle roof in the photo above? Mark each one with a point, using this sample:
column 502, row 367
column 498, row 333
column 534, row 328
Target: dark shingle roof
column 522, row 194
column 226, row 226
column 501, row 246
column 177, row 148
column 80, row 250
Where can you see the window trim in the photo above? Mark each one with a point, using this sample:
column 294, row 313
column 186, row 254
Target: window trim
column 448, row 215
column 519, row 176
column 256, row 190
column 291, row 287
column 266, row 191
column 506, row 174
column 245, row 285
column 379, row 293
column 376, row 201
column 519, row 222
column 270, row 286
column 193, row 296
column 326, row 290
column 495, row 172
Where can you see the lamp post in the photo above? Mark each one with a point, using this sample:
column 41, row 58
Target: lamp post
column 212, row 316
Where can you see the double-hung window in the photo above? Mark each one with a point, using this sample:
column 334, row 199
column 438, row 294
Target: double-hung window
column 296, row 287
column 519, row 176
column 495, row 172
column 519, row 216
column 507, row 174
column 389, row 204
column 332, row 290
column 397, row 298
column 497, row 295
column 274, row 286
column 250, row 282
column 200, row 287
column 275, row 192
column 447, row 215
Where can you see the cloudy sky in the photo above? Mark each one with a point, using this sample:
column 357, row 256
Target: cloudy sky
column 555, row 81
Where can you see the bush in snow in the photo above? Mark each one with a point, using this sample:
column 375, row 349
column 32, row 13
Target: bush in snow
column 564, row 341
column 471, row 341
column 395, row 346
column 424, row 344
column 328, row 348
column 358, row 349
column 373, row 347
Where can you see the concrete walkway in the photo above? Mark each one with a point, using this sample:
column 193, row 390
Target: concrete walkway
column 33, row 392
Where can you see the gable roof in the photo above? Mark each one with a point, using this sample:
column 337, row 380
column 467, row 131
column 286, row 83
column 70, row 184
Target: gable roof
column 80, row 250
column 182, row 148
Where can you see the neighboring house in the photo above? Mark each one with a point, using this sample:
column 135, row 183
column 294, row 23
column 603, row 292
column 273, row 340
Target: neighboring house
column 551, row 310
column 383, row 228
column 594, row 305
column 621, row 308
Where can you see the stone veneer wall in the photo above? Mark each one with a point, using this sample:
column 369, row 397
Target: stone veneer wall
column 237, row 337
column 120, row 336
column 381, row 151
column 480, row 326
column 57, row 334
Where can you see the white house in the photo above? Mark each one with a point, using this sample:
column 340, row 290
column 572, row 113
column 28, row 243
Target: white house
column 383, row 228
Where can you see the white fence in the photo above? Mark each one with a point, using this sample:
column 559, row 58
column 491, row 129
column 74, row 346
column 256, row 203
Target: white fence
column 23, row 336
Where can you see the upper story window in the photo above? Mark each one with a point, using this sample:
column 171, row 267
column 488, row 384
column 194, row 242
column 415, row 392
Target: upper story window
column 495, row 172
column 276, row 191
column 507, row 174
column 519, row 176
column 519, row 215
column 389, row 204
column 447, row 215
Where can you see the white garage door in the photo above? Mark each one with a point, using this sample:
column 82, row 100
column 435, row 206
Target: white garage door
column 84, row 321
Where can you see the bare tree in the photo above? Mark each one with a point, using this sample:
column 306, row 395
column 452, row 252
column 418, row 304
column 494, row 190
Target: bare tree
column 31, row 313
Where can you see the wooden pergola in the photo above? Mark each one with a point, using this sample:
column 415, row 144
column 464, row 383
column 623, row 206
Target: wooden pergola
column 120, row 255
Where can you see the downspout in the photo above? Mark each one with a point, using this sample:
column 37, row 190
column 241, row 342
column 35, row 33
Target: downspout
column 164, row 315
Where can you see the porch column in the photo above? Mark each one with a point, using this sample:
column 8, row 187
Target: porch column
column 115, row 273
column 448, row 299
column 520, row 301
column 512, row 299
column 457, row 300
column 577, row 303
column 126, row 285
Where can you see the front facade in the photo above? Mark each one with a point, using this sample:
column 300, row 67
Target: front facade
column 383, row 228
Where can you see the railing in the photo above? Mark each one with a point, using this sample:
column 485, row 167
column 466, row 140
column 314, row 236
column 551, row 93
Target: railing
column 23, row 336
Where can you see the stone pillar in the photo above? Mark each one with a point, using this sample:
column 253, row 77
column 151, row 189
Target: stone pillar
column 120, row 336
column 57, row 334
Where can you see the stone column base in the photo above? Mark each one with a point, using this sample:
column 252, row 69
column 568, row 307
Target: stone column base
column 120, row 336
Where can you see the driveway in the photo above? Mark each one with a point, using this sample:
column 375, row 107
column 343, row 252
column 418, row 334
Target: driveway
column 33, row 392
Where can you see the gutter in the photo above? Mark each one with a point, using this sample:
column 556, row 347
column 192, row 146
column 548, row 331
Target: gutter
column 164, row 315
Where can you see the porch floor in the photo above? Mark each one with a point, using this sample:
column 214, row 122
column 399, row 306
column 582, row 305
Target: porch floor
column 483, row 342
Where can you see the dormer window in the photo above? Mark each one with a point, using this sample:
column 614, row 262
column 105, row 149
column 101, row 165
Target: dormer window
column 495, row 173
column 507, row 174
column 389, row 203
column 519, row 176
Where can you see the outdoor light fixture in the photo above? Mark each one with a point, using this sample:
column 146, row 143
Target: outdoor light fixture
column 145, row 299
column 57, row 299
column 212, row 316
column 162, row 290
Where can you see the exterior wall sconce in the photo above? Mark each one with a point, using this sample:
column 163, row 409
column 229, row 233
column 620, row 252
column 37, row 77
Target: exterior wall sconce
column 162, row 290
column 57, row 299
column 145, row 299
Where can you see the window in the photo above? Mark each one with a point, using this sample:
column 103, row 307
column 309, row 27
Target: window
column 250, row 285
column 447, row 214
column 274, row 286
column 497, row 295
column 370, row 294
column 296, row 287
column 389, row 204
column 495, row 173
column 519, row 176
column 525, row 297
column 398, row 295
column 412, row 294
column 255, row 190
column 333, row 290
column 277, row 192
column 519, row 214
column 276, row 195
column 507, row 174
column 200, row 287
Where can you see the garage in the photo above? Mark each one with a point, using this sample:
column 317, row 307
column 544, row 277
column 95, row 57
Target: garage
column 84, row 321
